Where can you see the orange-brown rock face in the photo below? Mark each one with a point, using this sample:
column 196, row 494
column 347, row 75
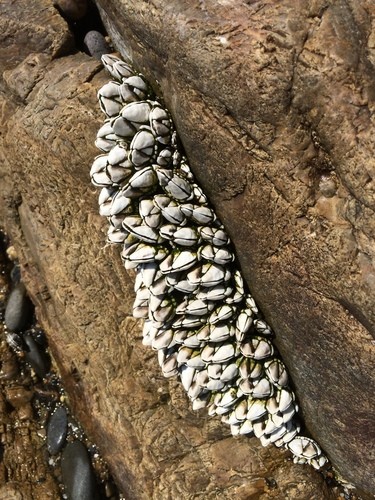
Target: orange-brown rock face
column 274, row 104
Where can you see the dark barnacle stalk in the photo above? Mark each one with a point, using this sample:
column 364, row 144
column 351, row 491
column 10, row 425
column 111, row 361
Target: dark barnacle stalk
column 205, row 327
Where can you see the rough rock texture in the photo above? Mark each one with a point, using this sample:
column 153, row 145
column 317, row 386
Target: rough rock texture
column 24, row 470
column 273, row 102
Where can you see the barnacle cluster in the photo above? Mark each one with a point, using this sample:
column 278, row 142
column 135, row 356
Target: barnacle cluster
column 204, row 325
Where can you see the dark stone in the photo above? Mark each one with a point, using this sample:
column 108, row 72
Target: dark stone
column 77, row 474
column 15, row 274
column 72, row 9
column 57, row 430
column 96, row 44
column 19, row 309
column 37, row 358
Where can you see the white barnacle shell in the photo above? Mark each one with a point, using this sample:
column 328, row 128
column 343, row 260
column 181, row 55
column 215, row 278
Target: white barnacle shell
column 137, row 85
column 150, row 213
column 116, row 235
column 140, row 182
column 106, row 138
column 105, row 200
column 160, row 124
column 262, row 389
column 121, row 70
column 212, row 274
column 98, row 172
column 250, row 368
column 116, row 67
column 262, row 327
column 221, row 332
column 243, row 323
column 215, row 236
column 215, row 293
column 199, row 214
column 187, row 374
column 181, row 260
column 185, row 236
column 164, row 158
column 109, row 99
column 221, row 313
column 173, row 184
column 216, row 254
column 276, row 372
column 169, row 364
column 257, row 348
column 137, row 113
column 143, row 253
column 304, row 447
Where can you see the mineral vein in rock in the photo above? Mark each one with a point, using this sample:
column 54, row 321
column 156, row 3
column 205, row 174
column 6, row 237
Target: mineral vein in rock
column 204, row 325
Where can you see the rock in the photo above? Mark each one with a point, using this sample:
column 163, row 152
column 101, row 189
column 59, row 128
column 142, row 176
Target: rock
column 96, row 44
column 15, row 274
column 77, row 474
column 72, row 9
column 246, row 108
column 18, row 396
column 36, row 357
column 57, row 430
column 19, row 309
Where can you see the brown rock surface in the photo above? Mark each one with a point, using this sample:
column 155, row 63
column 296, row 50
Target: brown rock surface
column 273, row 104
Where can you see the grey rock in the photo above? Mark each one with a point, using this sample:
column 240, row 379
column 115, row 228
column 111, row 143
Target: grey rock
column 36, row 357
column 15, row 274
column 19, row 309
column 57, row 430
column 77, row 473
column 72, row 9
column 96, row 44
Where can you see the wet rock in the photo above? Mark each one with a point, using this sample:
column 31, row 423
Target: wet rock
column 72, row 9
column 19, row 309
column 15, row 274
column 77, row 474
column 40, row 337
column 18, row 396
column 96, row 44
column 9, row 366
column 37, row 358
column 57, row 430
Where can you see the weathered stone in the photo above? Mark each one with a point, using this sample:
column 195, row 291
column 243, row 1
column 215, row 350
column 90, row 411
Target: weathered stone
column 246, row 87
column 77, row 474
column 57, row 430
column 96, row 44
column 19, row 309
column 72, row 9
column 36, row 357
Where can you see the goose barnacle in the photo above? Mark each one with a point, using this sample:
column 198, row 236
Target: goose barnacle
column 204, row 325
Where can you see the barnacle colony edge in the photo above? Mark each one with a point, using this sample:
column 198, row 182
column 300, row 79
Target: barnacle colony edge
column 205, row 327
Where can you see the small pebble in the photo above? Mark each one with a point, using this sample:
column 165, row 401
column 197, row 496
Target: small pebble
column 15, row 274
column 72, row 9
column 77, row 474
column 96, row 44
column 57, row 430
column 37, row 358
column 327, row 186
column 19, row 309
column 40, row 337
